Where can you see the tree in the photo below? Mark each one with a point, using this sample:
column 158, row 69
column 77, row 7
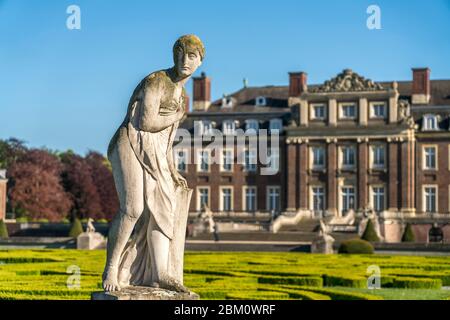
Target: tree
column 77, row 180
column 408, row 234
column 370, row 234
column 104, row 182
column 35, row 188
column 76, row 228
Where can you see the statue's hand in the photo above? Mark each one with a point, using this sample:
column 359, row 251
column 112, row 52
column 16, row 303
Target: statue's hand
column 179, row 180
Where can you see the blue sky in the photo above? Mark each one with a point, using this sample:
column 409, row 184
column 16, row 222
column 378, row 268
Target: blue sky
column 64, row 88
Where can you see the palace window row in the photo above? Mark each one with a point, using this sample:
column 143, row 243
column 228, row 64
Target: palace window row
column 348, row 110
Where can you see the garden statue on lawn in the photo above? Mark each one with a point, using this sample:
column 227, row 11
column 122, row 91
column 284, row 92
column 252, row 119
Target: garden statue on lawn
column 154, row 198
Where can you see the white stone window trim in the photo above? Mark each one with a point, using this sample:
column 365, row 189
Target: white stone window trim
column 244, row 198
column 311, row 196
column 221, row 198
column 222, row 159
column 252, row 167
column 176, row 160
column 425, row 123
column 372, row 164
column 341, row 156
column 199, row 160
column 260, row 101
column 424, row 157
column 341, row 200
column 372, row 105
column 342, row 105
column 424, row 197
column 231, row 130
column 312, row 165
column 197, row 204
column 313, row 107
column 372, row 193
column 268, row 198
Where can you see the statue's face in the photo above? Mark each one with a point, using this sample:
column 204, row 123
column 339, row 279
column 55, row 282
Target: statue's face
column 187, row 61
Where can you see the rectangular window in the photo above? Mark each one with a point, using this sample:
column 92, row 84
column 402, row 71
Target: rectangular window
column 348, row 156
column 378, row 110
column 348, row 198
column 318, row 157
column 430, row 199
column 250, row 160
column 318, row 111
column 273, row 198
column 203, row 161
column 226, row 199
column 274, row 156
column 227, row 160
column 229, row 127
column 429, row 157
column 318, row 198
column 348, row 110
column 378, row 156
column 250, row 199
column 378, row 198
column 181, row 160
column 203, row 197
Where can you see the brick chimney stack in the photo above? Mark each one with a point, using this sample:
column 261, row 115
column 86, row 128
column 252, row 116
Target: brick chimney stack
column 421, row 87
column 202, row 93
column 297, row 83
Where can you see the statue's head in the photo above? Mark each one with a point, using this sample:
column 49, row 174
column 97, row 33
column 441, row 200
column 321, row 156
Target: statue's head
column 188, row 54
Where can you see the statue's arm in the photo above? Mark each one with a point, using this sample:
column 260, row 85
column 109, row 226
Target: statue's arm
column 151, row 120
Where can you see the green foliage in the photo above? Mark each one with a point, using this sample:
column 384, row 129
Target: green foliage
column 42, row 220
column 3, row 229
column 102, row 221
column 345, row 281
column 22, row 220
column 301, row 281
column 417, row 283
column 369, row 233
column 356, row 246
column 408, row 234
column 65, row 221
column 76, row 229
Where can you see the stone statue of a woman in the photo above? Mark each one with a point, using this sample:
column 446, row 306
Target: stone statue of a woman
column 154, row 197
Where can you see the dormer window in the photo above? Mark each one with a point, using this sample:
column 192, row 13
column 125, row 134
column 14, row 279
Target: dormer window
column 228, row 127
column 204, row 127
column 430, row 122
column 347, row 110
column 318, row 111
column 378, row 110
column 275, row 125
column 227, row 102
column 261, row 101
column 251, row 126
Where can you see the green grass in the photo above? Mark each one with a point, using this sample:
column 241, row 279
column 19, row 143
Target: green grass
column 43, row 274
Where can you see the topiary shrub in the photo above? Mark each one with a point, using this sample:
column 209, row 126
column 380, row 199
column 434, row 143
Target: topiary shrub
column 3, row 229
column 408, row 234
column 76, row 229
column 370, row 234
column 102, row 221
column 356, row 246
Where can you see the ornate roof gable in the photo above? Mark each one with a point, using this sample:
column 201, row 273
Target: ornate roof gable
column 348, row 81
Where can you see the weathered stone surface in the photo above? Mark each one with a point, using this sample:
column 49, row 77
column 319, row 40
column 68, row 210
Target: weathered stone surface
column 90, row 241
column 144, row 293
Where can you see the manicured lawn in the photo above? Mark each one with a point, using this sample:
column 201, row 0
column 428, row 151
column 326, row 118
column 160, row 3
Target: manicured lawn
column 52, row 274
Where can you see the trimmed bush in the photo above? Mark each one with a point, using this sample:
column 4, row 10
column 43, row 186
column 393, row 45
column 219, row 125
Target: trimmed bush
column 76, row 229
column 301, row 281
column 22, row 220
column 337, row 294
column 257, row 295
column 417, row 283
column 370, row 234
column 102, row 221
column 3, row 229
column 65, row 221
column 356, row 246
column 344, row 281
column 408, row 235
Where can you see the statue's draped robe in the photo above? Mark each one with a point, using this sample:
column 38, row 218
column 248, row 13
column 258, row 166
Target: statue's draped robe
column 167, row 203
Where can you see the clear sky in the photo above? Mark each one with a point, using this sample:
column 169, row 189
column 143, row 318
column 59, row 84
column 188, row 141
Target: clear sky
column 64, row 88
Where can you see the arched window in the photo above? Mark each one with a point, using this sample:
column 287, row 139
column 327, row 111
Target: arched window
column 276, row 125
column 251, row 126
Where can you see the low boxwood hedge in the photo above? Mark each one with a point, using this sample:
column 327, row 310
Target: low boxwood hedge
column 356, row 246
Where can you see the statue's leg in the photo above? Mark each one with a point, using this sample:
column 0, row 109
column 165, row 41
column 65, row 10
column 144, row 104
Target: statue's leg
column 129, row 181
column 159, row 245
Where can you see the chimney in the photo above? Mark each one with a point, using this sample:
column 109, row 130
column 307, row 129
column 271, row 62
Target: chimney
column 297, row 83
column 186, row 102
column 202, row 93
column 421, row 88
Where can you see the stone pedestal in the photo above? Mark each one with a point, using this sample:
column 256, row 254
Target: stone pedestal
column 144, row 293
column 322, row 244
column 90, row 241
